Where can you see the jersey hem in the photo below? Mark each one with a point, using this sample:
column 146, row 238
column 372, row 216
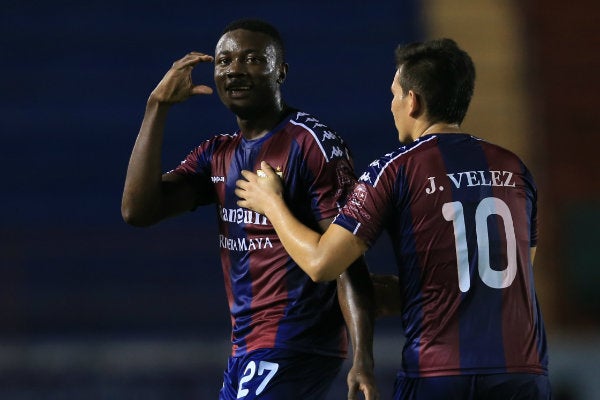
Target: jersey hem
column 299, row 349
column 474, row 371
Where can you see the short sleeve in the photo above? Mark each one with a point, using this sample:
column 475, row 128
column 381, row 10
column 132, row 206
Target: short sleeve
column 329, row 174
column 196, row 169
column 368, row 206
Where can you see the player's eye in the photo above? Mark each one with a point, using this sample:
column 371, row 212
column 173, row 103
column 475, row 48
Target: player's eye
column 253, row 59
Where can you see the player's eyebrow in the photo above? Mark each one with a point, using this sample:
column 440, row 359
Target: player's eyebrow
column 244, row 51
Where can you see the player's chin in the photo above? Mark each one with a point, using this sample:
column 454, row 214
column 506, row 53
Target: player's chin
column 243, row 109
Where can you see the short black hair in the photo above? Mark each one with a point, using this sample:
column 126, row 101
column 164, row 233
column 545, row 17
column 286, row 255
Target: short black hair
column 258, row 25
column 442, row 74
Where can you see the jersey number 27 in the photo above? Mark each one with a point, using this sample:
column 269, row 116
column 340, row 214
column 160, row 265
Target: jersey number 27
column 251, row 371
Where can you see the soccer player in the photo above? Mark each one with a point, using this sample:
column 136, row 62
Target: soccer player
column 288, row 333
column 461, row 214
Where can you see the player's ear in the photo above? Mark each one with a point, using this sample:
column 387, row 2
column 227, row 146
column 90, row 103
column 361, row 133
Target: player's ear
column 283, row 69
column 415, row 104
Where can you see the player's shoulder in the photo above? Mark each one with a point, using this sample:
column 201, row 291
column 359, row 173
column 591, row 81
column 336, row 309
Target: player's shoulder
column 224, row 137
column 307, row 128
column 310, row 124
column 498, row 152
column 390, row 163
column 397, row 157
column 218, row 140
column 310, row 121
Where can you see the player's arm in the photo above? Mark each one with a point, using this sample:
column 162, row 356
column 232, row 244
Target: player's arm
column 355, row 295
column 148, row 195
column 324, row 257
column 532, row 253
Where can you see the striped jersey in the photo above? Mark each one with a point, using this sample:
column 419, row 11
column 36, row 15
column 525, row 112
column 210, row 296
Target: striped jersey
column 461, row 214
column 273, row 303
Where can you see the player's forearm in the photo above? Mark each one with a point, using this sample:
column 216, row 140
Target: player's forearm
column 301, row 243
column 142, row 192
column 355, row 294
column 322, row 257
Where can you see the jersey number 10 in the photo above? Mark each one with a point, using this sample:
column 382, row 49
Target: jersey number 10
column 454, row 212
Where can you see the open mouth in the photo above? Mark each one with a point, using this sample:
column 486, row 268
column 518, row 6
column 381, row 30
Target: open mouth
column 238, row 89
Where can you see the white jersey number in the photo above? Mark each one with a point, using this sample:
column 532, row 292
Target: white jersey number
column 249, row 373
column 489, row 206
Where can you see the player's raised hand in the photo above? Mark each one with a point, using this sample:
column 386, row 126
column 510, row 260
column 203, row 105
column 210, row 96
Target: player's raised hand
column 258, row 191
column 177, row 86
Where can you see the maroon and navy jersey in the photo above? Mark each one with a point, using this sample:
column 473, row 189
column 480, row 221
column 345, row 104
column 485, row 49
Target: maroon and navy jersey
column 461, row 214
column 273, row 303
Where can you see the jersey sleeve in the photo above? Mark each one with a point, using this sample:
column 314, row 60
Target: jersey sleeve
column 368, row 206
column 330, row 175
column 196, row 169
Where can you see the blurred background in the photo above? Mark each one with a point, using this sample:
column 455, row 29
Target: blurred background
column 91, row 308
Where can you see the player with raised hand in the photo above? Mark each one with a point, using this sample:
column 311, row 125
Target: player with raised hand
column 288, row 334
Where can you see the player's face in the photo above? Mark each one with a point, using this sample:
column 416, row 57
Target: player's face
column 247, row 70
column 399, row 108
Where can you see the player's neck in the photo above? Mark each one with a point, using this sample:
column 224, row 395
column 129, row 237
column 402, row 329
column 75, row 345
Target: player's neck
column 437, row 128
column 255, row 128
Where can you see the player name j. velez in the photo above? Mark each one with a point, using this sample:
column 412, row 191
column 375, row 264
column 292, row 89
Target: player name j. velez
column 466, row 179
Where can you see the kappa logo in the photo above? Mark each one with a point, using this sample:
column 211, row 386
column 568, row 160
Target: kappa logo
column 336, row 152
column 330, row 144
column 365, row 177
column 328, row 135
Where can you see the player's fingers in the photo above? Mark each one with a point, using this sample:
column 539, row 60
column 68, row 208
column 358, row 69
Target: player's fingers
column 242, row 203
column 201, row 56
column 352, row 390
column 239, row 193
column 191, row 59
column 370, row 392
column 267, row 169
column 249, row 175
column 242, row 184
column 202, row 89
column 266, row 166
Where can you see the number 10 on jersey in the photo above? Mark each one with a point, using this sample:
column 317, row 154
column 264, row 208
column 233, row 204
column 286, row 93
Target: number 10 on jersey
column 497, row 279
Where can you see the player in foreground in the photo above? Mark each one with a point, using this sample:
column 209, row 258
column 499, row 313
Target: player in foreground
column 288, row 333
column 461, row 214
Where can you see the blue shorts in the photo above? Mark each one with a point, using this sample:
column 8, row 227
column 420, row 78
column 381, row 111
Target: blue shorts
column 474, row 387
column 274, row 374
